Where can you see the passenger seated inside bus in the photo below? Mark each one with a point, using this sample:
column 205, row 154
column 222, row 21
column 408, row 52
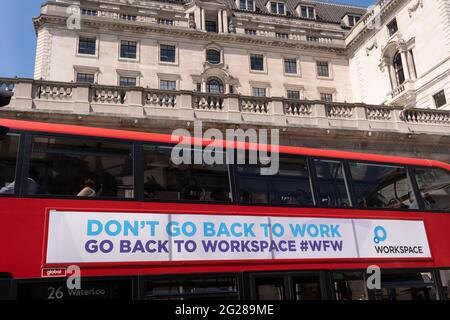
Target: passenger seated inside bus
column 91, row 189
column 32, row 186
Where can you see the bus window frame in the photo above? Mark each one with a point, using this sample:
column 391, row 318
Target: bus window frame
column 137, row 151
column 312, row 184
column 144, row 279
column 18, row 168
column 30, row 135
column 140, row 158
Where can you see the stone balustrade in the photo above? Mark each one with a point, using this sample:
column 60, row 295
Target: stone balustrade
column 135, row 103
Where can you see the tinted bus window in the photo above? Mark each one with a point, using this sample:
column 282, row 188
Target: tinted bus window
column 165, row 180
column 350, row 285
column 290, row 186
column 9, row 145
column 434, row 186
column 406, row 285
column 382, row 186
column 81, row 168
column 331, row 183
column 192, row 289
column 445, row 282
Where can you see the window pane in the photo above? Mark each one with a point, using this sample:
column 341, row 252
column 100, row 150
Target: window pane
column 167, row 53
column 167, row 85
column 331, row 183
column 326, row 97
column 192, row 289
column 257, row 62
column 127, row 82
column 290, row 186
column 322, row 69
column 392, row 27
column 382, row 186
column 211, row 26
column 87, row 46
column 292, row 94
column 194, row 182
column 81, row 168
column 270, row 289
column 307, row 288
column 434, row 186
column 9, row 146
column 439, row 98
column 85, row 78
column 213, row 56
column 290, row 66
column 273, row 7
column 406, row 285
column 349, row 286
column 128, row 49
column 445, row 279
column 259, row 92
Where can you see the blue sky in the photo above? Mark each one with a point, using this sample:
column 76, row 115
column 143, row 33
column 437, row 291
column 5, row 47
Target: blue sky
column 18, row 38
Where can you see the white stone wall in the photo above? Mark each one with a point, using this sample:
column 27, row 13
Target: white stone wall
column 426, row 24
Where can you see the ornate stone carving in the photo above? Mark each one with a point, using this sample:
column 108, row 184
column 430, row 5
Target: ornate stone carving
column 373, row 45
column 414, row 7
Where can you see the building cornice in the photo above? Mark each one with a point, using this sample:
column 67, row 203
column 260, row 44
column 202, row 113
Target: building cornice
column 172, row 31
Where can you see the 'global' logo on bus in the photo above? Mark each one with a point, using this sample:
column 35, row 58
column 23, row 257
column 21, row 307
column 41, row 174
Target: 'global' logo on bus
column 380, row 234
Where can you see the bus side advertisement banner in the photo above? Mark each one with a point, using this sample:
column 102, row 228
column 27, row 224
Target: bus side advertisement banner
column 102, row 237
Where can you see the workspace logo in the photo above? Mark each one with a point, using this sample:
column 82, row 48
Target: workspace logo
column 380, row 235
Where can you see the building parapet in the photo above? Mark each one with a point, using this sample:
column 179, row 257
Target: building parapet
column 137, row 103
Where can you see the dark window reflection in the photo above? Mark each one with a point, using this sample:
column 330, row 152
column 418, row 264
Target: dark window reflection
column 331, row 183
column 434, row 186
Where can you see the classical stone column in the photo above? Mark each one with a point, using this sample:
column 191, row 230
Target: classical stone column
column 219, row 22
column 225, row 21
column 405, row 65
column 202, row 19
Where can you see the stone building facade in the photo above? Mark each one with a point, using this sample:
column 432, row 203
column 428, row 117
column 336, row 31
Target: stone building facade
column 327, row 75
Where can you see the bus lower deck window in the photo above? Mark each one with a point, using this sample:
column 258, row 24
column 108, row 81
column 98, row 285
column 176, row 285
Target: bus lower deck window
column 81, row 168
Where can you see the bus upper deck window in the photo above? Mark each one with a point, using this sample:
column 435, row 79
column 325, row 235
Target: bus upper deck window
column 331, row 183
column 289, row 186
column 382, row 186
column 434, row 186
column 183, row 179
column 9, row 145
column 81, row 168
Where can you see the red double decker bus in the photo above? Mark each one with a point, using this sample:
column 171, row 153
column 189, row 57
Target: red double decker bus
column 114, row 206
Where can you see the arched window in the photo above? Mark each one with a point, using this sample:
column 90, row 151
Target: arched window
column 214, row 85
column 213, row 56
column 398, row 67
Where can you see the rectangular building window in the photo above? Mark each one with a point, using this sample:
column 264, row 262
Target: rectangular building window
column 167, row 22
column 128, row 49
column 328, row 97
column 307, row 12
column 251, row 32
column 289, row 186
column 9, row 146
column 353, row 20
column 167, row 53
column 392, row 27
column 127, row 82
column 211, row 26
column 247, row 5
column 257, row 62
column 85, row 78
column 258, row 92
column 87, row 45
column 167, row 85
column 81, row 168
column 440, row 99
column 323, row 69
column 379, row 186
column 189, row 182
column 293, row 94
column 331, row 184
column 277, row 7
column 290, row 65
